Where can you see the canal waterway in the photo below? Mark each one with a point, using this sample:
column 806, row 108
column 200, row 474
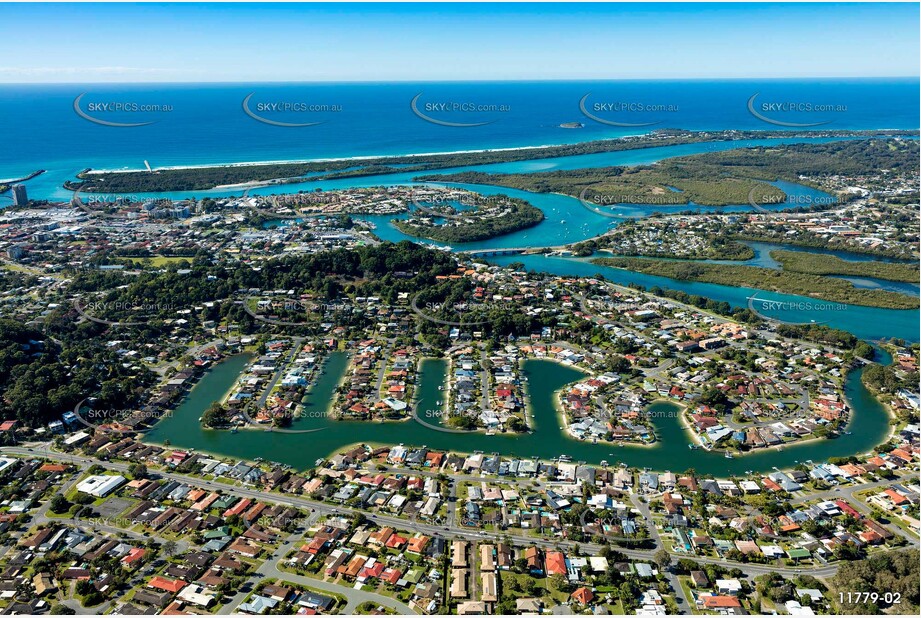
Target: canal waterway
column 544, row 380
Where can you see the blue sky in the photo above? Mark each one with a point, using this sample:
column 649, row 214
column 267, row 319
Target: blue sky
column 420, row 42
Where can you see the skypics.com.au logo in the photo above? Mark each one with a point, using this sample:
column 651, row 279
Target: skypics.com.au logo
column 283, row 113
column 293, row 311
column 449, row 112
column 625, row 112
column 452, row 205
column 783, row 310
column 137, row 314
column 598, row 201
column 458, row 314
column 787, row 113
column 789, row 201
column 114, row 113
column 118, row 420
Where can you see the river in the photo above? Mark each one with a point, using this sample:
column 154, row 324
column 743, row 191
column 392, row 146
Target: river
column 871, row 323
column 567, row 220
column 763, row 259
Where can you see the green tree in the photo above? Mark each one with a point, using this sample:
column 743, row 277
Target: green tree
column 59, row 609
column 214, row 416
column 59, row 504
column 137, row 470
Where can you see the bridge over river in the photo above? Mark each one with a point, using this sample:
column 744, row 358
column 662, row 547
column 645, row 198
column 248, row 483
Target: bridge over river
column 513, row 251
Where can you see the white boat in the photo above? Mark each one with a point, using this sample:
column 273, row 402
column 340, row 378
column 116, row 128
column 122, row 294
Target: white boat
column 728, row 455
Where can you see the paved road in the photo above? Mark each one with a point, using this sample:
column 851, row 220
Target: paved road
column 451, row 516
column 484, row 381
column 354, row 598
column 453, row 533
column 244, row 591
column 385, row 355
column 843, row 491
column 847, row 492
column 643, row 508
column 78, row 608
column 269, row 570
column 283, row 365
column 653, row 372
column 160, row 369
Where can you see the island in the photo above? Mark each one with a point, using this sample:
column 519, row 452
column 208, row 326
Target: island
column 823, row 264
column 788, row 282
column 496, row 216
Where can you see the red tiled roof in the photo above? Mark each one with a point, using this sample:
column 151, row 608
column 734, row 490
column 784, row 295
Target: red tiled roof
column 555, row 563
column 170, row 585
column 718, row 601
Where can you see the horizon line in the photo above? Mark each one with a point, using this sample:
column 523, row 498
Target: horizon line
column 466, row 81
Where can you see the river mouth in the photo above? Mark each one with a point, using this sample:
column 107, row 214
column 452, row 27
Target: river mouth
column 869, row 427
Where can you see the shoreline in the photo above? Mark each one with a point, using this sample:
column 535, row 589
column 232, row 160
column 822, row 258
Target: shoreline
column 792, row 135
column 564, row 419
column 370, row 157
column 741, row 454
column 890, row 412
column 445, row 407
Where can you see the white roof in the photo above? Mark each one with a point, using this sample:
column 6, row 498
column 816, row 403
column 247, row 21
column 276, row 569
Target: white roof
column 101, row 485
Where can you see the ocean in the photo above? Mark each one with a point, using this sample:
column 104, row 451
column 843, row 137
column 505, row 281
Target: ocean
column 190, row 124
